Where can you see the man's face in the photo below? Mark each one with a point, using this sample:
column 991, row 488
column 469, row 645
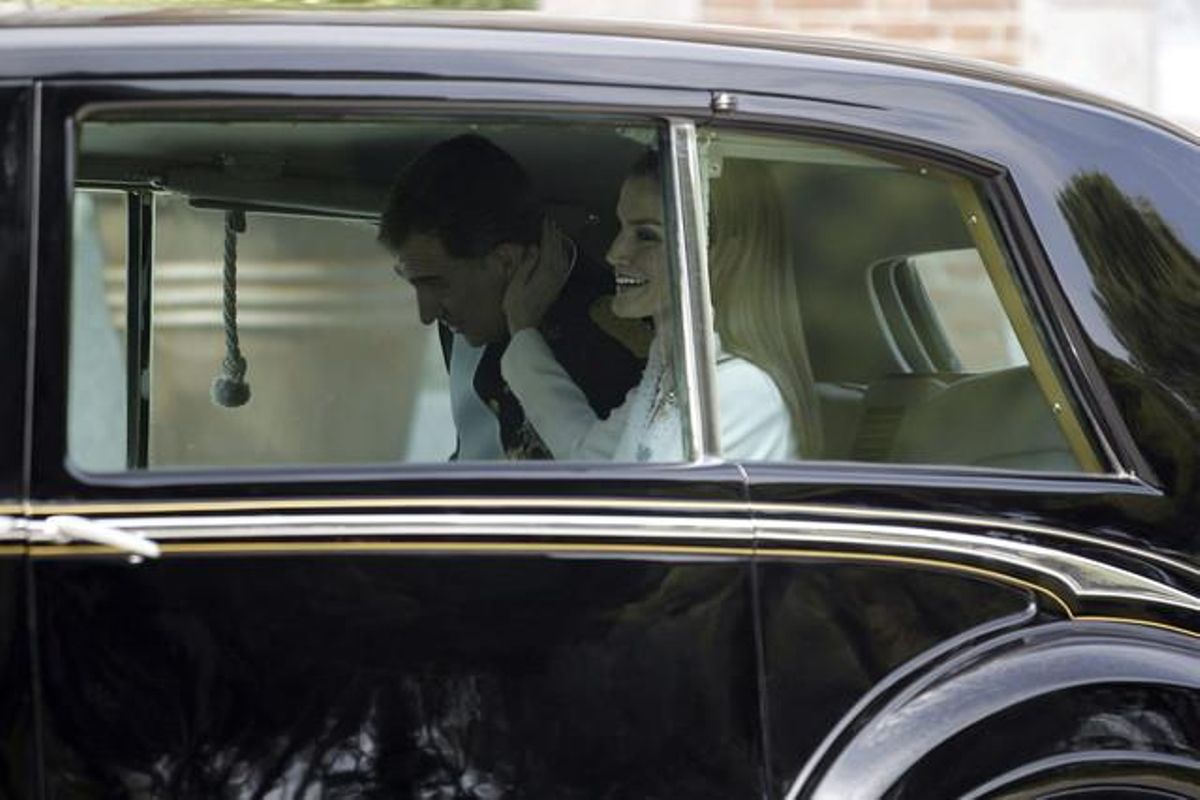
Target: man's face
column 465, row 293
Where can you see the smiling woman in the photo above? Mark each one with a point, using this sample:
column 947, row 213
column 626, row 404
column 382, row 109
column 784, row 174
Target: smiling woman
column 754, row 422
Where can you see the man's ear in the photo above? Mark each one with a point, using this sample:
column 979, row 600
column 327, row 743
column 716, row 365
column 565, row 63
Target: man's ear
column 508, row 258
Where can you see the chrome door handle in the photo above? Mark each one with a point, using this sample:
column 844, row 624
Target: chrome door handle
column 69, row 528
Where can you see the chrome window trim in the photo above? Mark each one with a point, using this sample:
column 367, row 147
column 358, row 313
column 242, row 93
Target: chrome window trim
column 280, row 508
column 694, row 323
column 12, row 528
column 546, row 527
column 356, row 504
column 992, row 523
column 1084, row 578
column 300, row 508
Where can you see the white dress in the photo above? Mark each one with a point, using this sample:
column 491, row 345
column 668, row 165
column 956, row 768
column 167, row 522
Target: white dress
column 755, row 425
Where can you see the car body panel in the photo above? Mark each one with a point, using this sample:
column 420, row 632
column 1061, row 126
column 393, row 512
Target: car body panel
column 15, row 125
column 17, row 742
column 399, row 669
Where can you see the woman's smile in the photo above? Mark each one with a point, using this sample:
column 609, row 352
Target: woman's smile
column 626, row 280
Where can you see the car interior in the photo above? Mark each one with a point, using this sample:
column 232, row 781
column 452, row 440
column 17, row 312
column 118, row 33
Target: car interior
column 918, row 354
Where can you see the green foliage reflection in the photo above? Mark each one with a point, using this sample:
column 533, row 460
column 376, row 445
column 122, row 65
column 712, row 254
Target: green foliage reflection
column 1148, row 281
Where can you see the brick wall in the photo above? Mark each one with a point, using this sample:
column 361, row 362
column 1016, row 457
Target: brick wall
column 987, row 29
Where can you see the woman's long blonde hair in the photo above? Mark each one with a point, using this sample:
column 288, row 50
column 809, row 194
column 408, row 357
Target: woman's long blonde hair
column 756, row 300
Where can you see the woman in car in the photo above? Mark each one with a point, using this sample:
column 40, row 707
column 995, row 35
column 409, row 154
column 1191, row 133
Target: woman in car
column 764, row 384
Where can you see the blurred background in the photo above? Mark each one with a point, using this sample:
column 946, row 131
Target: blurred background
column 1142, row 52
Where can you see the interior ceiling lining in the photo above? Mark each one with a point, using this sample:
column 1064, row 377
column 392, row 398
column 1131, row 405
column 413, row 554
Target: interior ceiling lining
column 335, row 166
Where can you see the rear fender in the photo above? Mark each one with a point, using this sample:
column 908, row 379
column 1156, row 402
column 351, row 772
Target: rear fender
column 891, row 732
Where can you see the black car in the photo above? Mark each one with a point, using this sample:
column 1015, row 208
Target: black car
column 972, row 573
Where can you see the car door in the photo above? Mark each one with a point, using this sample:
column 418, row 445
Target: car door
column 951, row 571
column 254, row 601
column 16, row 721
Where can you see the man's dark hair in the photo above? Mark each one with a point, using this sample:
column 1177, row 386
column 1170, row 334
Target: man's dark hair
column 469, row 193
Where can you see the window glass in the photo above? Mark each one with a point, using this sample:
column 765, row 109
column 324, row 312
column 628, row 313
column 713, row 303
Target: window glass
column 970, row 321
column 313, row 291
column 96, row 423
column 865, row 310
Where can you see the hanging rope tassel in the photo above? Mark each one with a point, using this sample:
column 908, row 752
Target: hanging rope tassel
column 230, row 388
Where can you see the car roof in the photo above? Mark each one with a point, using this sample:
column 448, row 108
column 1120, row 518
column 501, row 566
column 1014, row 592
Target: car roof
column 69, row 35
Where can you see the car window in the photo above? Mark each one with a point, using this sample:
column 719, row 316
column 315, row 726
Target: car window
column 328, row 291
column 866, row 310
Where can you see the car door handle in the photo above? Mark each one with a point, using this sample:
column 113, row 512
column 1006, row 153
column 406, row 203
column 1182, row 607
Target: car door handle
column 69, row 528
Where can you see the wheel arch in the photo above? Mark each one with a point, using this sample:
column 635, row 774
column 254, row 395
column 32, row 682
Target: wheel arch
column 930, row 701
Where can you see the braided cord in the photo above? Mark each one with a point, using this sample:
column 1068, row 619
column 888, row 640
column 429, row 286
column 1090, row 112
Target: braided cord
column 233, row 365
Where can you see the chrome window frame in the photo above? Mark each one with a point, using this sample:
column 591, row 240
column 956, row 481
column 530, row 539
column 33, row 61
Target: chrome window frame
column 694, row 324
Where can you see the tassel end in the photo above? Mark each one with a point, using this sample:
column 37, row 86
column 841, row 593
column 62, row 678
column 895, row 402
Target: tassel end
column 230, row 392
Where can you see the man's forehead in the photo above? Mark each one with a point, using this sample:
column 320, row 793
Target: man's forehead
column 422, row 254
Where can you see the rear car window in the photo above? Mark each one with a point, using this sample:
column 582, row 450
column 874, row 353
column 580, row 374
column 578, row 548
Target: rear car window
column 873, row 291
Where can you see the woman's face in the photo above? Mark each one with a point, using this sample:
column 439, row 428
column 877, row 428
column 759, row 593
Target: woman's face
column 639, row 255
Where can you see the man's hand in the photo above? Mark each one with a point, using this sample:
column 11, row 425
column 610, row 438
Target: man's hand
column 537, row 282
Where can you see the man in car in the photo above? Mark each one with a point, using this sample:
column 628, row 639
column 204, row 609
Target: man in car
column 463, row 218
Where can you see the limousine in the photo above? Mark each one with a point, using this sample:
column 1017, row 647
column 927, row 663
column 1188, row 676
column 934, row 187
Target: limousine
column 977, row 575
